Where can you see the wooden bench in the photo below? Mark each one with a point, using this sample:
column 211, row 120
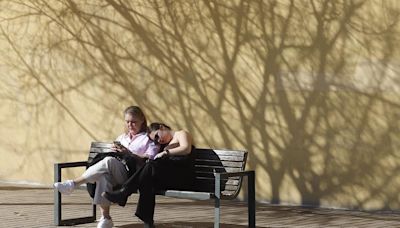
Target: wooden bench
column 219, row 175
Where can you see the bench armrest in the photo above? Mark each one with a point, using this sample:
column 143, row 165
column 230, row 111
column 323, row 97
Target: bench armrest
column 70, row 164
column 57, row 197
column 250, row 194
column 218, row 177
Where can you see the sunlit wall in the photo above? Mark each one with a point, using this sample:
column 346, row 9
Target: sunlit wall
column 309, row 88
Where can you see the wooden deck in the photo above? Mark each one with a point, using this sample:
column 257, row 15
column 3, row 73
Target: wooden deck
column 29, row 207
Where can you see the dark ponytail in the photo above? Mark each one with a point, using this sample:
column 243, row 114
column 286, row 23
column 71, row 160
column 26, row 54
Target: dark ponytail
column 156, row 126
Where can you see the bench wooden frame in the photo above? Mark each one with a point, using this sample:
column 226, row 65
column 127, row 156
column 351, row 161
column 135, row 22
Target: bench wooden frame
column 219, row 175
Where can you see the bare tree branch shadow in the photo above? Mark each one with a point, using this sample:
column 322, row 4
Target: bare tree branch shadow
column 281, row 79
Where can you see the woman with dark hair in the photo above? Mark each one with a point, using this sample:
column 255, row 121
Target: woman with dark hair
column 110, row 171
column 172, row 168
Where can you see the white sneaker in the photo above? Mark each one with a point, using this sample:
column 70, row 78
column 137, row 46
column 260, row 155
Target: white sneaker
column 105, row 223
column 66, row 187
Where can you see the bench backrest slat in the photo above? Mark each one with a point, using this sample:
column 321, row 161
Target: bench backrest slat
column 101, row 144
column 98, row 147
column 202, row 162
column 209, row 160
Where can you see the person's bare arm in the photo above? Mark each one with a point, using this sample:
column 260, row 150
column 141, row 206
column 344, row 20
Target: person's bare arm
column 184, row 146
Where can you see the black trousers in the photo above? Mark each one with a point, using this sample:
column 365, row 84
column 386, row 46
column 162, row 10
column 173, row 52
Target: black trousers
column 174, row 173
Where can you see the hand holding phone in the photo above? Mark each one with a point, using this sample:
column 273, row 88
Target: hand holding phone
column 117, row 144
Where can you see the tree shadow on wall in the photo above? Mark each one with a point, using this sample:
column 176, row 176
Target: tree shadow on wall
column 278, row 78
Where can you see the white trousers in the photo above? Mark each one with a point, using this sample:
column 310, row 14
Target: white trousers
column 106, row 174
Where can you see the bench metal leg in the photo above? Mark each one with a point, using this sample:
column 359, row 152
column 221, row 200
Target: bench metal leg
column 57, row 196
column 251, row 201
column 58, row 221
column 217, row 200
column 251, row 198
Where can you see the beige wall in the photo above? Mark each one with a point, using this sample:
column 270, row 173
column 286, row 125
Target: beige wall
column 309, row 88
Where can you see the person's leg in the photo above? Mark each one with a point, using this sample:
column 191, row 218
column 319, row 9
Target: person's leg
column 147, row 197
column 91, row 175
column 107, row 165
column 116, row 174
column 129, row 187
column 105, row 211
column 80, row 180
column 146, row 204
column 158, row 175
column 105, row 220
column 142, row 179
column 112, row 171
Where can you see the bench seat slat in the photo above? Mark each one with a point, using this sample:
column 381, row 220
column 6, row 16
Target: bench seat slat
column 227, row 194
column 187, row 194
column 195, row 195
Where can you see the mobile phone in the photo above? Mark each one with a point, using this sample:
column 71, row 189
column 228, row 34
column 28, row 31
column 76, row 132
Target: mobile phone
column 117, row 144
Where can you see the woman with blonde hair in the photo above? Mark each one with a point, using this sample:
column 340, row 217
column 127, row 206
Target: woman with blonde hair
column 111, row 171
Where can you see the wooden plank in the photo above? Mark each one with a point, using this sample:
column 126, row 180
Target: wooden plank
column 219, row 169
column 211, row 177
column 101, row 144
column 224, row 158
column 228, row 192
column 235, row 153
column 209, row 185
column 204, row 172
column 237, row 164
column 214, row 156
column 207, row 173
column 230, row 181
column 220, row 152
column 100, row 150
column 187, row 194
column 231, row 187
